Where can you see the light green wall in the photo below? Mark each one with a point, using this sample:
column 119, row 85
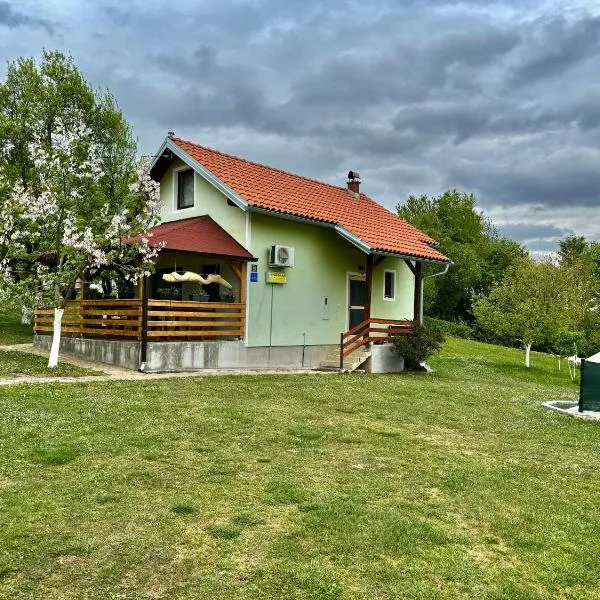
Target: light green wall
column 403, row 306
column 322, row 263
column 207, row 201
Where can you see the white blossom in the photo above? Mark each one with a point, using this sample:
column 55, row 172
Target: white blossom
column 52, row 217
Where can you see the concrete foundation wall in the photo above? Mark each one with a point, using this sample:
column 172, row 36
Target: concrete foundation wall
column 121, row 353
column 181, row 356
column 184, row 356
column 384, row 359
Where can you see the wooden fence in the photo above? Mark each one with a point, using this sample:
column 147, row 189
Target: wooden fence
column 106, row 318
column 166, row 319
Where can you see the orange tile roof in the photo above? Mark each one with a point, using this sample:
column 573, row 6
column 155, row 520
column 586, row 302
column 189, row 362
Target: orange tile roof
column 282, row 192
column 196, row 234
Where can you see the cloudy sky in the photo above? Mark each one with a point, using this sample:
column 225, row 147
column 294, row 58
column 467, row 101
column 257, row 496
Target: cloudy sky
column 501, row 99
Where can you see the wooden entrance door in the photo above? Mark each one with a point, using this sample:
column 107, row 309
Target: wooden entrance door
column 356, row 300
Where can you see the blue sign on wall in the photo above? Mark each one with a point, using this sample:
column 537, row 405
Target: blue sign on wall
column 254, row 277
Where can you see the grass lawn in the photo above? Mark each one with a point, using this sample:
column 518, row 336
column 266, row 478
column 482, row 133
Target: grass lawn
column 16, row 364
column 19, row 364
column 453, row 485
column 11, row 330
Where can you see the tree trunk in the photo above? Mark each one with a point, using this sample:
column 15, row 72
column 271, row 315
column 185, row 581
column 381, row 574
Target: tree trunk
column 53, row 360
column 527, row 353
column 25, row 316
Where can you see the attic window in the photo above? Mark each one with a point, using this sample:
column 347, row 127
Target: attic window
column 185, row 189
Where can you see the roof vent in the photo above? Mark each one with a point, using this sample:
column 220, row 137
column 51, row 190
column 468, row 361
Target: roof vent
column 354, row 183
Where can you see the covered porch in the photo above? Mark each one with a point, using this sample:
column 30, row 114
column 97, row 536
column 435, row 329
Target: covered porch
column 160, row 310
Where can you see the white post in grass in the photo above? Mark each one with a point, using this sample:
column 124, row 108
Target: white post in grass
column 527, row 353
column 56, row 330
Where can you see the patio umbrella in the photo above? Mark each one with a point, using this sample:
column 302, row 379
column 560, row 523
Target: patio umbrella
column 175, row 277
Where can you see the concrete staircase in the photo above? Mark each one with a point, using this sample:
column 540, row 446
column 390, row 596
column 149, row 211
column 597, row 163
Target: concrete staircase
column 351, row 362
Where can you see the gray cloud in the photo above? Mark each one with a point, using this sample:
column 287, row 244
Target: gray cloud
column 558, row 44
column 534, row 232
column 498, row 98
column 568, row 177
column 11, row 18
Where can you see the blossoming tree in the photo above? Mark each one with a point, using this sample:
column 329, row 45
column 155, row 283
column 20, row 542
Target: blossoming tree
column 70, row 188
column 58, row 229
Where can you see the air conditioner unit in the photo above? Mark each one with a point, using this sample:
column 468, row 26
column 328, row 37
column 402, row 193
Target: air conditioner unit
column 281, row 256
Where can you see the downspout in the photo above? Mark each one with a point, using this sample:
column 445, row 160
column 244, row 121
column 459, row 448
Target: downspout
column 438, row 274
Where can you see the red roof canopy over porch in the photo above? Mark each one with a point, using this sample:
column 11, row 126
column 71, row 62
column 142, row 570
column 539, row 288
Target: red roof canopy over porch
column 196, row 234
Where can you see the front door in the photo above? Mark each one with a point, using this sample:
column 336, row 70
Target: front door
column 356, row 297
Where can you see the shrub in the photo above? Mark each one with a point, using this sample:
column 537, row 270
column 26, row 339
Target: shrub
column 419, row 346
column 454, row 328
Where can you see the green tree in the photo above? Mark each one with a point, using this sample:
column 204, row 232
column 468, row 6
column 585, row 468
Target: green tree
column 572, row 248
column 33, row 99
column 480, row 255
column 576, row 247
column 535, row 301
column 568, row 343
column 592, row 253
column 70, row 189
column 591, row 329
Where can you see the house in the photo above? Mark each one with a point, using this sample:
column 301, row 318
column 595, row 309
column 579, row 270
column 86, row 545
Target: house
column 317, row 272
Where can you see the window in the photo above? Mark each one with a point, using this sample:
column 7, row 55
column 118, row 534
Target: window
column 210, row 269
column 185, row 189
column 389, row 285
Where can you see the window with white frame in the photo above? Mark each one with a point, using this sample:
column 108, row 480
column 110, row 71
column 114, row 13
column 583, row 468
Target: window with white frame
column 185, row 188
column 389, row 285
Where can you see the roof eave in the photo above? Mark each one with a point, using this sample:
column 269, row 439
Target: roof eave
column 242, row 203
column 180, row 153
column 353, row 239
column 249, row 258
column 158, row 155
column 436, row 261
column 347, row 235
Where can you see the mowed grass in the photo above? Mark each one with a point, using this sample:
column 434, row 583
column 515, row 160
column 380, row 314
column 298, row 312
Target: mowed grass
column 20, row 364
column 452, row 485
column 11, row 329
column 14, row 363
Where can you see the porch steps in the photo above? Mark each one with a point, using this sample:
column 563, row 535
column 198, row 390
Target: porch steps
column 351, row 362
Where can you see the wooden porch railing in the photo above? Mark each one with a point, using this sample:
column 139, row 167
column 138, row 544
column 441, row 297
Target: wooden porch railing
column 167, row 319
column 106, row 318
column 176, row 318
column 370, row 331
